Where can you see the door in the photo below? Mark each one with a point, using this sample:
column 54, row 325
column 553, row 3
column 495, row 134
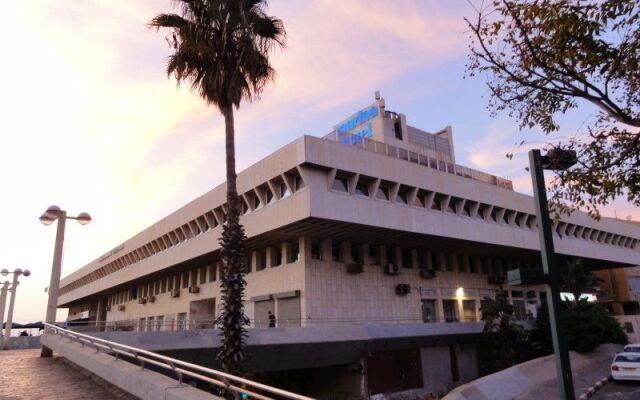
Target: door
column 261, row 314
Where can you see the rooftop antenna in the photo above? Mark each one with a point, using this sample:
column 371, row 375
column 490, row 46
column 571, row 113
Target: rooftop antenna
column 377, row 94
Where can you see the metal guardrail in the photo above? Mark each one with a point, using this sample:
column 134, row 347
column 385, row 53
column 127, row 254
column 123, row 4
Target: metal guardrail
column 241, row 388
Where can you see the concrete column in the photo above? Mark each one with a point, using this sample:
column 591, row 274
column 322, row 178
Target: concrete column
column 429, row 259
column 442, row 262
column 99, row 307
column 439, row 310
column 345, row 252
column 285, row 252
column 414, row 259
column 366, row 260
column 254, row 261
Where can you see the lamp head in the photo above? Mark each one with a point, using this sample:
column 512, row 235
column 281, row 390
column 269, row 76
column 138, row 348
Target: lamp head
column 53, row 212
column 4, row 272
column 26, row 272
column 17, row 271
column 83, row 218
column 559, row 159
column 45, row 219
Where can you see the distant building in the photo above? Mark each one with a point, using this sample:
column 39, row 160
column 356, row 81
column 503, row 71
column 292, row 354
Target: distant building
column 373, row 248
column 620, row 294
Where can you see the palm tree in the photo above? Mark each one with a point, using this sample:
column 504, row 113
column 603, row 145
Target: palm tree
column 221, row 49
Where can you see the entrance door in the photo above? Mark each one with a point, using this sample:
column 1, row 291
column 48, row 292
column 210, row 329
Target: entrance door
column 429, row 313
column 261, row 314
column 450, row 308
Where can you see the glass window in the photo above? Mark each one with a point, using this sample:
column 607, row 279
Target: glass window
column 355, row 253
column 316, row 249
column 429, row 311
column 450, row 310
column 269, row 195
column 261, row 259
column 340, row 184
column 469, row 310
column 382, row 193
column 335, row 251
column 374, row 254
column 520, row 309
column 182, row 321
column 185, row 279
column 298, row 183
column 203, row 275
column 391, row 255
column 407, row 258
column 284, row 190
column 276, row 255
column 402, row 197
column 294, row 251
column 212, row 272
column 362, row 189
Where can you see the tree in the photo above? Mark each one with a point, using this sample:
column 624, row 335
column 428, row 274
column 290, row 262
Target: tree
column 221, row 49
column 576, row 278
column 543, row 58
column 501, row 331
column 587, row 325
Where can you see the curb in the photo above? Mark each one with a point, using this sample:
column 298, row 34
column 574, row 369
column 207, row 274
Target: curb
column 593, row 389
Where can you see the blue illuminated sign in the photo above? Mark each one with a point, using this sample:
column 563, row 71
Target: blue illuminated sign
column 357, row 136
column 358, row 119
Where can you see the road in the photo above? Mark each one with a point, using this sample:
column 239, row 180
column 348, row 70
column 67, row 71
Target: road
column 618, row 391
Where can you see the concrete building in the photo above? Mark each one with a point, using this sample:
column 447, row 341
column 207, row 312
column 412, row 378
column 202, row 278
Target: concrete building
column 373, row 226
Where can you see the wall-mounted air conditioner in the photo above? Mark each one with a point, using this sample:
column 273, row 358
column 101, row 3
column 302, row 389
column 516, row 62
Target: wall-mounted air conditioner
column 392, row 269
column 194, row 289
column 403, row 289
column 152, row 299
column 142, row 300
column 175, row 293
column 121, row 307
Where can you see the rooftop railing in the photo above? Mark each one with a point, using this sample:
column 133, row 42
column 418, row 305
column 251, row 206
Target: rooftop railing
column 375, row 146
column 240, row 388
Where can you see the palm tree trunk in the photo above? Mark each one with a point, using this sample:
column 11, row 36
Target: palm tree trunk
column 232, row 319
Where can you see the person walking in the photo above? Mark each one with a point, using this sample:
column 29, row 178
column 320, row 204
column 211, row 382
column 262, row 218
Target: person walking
column 272, row 320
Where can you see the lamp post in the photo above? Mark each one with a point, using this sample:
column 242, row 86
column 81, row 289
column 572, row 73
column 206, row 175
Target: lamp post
column 12, row 302
column 3, row 302
column 55, row 213
column 556, row 159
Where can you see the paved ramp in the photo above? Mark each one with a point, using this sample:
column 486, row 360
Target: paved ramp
column 26, row 376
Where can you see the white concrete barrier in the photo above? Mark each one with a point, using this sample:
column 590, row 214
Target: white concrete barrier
column 522, row 378
column 144, row 384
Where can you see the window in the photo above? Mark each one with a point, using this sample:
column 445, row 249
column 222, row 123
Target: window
column 494, row 214
column 466, row 210
column 294, row 251
column 382, row 193
column 261, row 259
column 391, row 255
column 374, row 254
column 407, row 258
column 163, row 285
column 450, row 310
column 284, row 190
column 159, row 322
column 520, row 309
column 355, row 253
column 276, row 255
column 298, row 183
column 142, row 324
column 256, row 203
column 185, row 279
column 429, row 311
column 341, row 184
column 335, row 251
column 194, row 277
column 203, row 275
column 212, row 272
column 182, row 321
column 402, row 197
column 362, row 189
column 436, row 204
column 469, row 310
column 434, row 261
column 316, row 249
column 269, row 195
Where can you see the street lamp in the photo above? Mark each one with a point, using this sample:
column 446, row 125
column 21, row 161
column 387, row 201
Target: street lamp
column 55, row 213
column 556, row 159
column 14, row 287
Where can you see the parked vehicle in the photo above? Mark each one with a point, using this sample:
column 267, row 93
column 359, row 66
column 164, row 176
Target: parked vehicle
column 632, row 348
column 626, row 366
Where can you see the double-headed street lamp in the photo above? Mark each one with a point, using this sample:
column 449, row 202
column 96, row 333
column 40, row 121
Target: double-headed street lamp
column 12, row 302
column 55, row 213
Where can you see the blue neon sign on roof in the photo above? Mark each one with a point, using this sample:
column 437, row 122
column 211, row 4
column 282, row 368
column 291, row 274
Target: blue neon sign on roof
column 358, row 119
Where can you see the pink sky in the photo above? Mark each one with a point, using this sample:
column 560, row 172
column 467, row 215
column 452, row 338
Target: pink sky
column 91, row 122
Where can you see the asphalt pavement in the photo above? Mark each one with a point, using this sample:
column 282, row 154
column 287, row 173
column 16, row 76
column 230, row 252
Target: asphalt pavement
column 618, row 391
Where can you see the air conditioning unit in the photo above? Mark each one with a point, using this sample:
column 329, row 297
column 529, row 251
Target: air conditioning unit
column 392, row 269
column 108, row 308
column 194, row 289
column 403, row 289
column 354, row 268
column 175, row 293
column 142, row 300
column 121, row 307
column 152, row 299
column 427, row 273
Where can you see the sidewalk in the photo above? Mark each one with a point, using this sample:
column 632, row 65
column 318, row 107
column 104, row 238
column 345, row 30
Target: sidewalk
column 26, row 376
column 582, row 380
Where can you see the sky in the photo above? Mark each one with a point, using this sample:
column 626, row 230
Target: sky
column 90, row 121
